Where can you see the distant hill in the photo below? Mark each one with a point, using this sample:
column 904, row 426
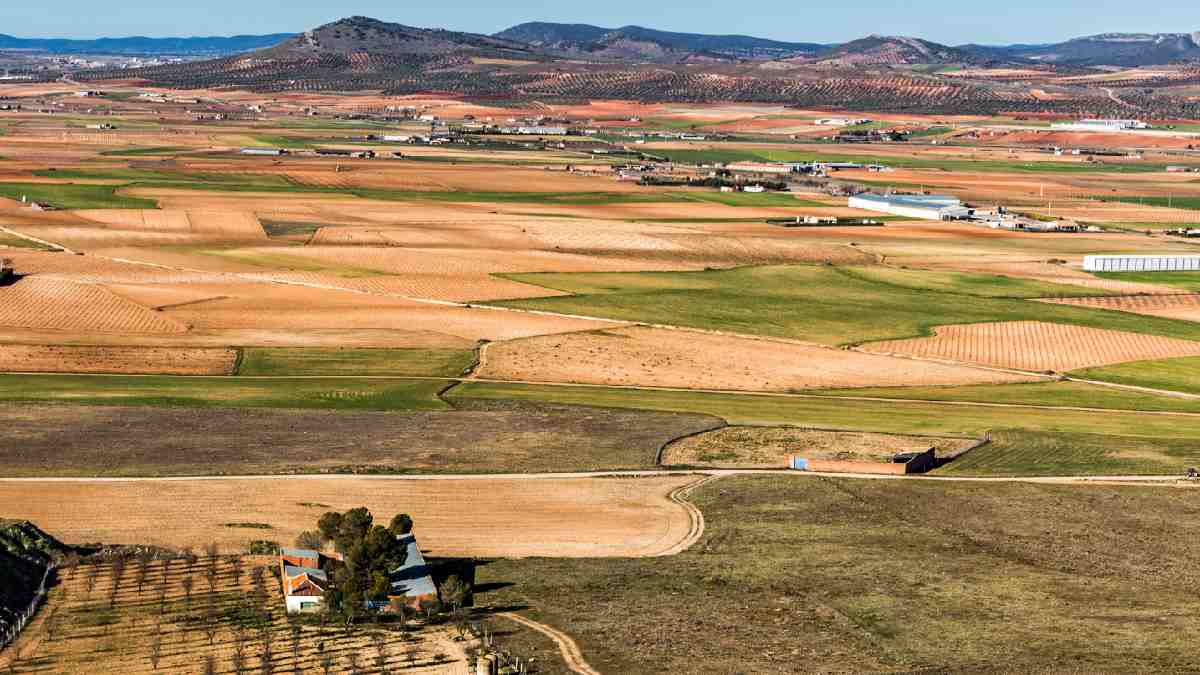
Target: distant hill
column 364, row 35
column 877, row 50
column 145, row 46
column 1108, row 49
column 650, row 45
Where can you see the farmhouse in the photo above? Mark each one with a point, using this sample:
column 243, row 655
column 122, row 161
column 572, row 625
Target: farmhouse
column 926, row 207
column 764, row 167
column 304, row 582
column 1141, row 263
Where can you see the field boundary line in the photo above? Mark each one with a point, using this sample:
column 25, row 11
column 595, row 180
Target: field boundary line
column 571, row 653
column 1133, row 387
column 43, row 242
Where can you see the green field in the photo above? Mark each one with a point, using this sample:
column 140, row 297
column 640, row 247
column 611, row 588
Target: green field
column 840, row 413
column 259, row 361
column 20, row 242
column 143, row 152
column 816, row 575
column 1186, row 280
column 1191, row 203
column 823, row 304
column 229, row 392
column 1064, row 394
column 751, row 199
column 1181, row 374
column 727, row 155
column 1023, row 453
column 70, row 196
column 292, row 263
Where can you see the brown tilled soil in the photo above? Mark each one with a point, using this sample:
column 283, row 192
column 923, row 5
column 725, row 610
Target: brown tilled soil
column 487, row 517
column 52, row 440
column 772, row 447
column 657, row 357
column 128, row 360
column 1037, row 346
column 39, row 303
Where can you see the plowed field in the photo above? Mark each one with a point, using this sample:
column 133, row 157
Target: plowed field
column 668, row 358
column 88, row 359
column 585, row 517
column 1038, row 346
column 39, row 303
column 1185, row 307
column 773, row 447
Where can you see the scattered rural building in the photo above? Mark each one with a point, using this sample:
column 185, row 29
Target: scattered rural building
column 925, row 207
column 1100, row 125
column 765, row 167
column 304, row 582
column 1183, row 169
column 269, row 152
column 412, row 582
column 840, row 122
column 1141, row 263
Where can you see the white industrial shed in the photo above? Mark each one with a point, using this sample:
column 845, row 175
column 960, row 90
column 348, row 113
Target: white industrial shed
column 926, row 207
column 1141, row 263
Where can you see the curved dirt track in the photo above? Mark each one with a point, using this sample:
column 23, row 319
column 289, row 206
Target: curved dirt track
column 570, row 651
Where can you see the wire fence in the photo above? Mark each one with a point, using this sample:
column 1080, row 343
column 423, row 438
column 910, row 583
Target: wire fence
column 9, row 635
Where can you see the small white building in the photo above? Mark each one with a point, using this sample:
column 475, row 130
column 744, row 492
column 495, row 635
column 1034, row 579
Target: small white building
column 925, row 207
column 1142, row 263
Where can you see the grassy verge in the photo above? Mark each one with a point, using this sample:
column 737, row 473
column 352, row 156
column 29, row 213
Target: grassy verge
column 1023, row 453
column 822, row 303
column 819, row 575
column 1066, row 394
column 375, row 362
column 143, row 152
column 71, row 196
column 883, row 416
column 230, row 392
column 20, row 242
column 1181, row 374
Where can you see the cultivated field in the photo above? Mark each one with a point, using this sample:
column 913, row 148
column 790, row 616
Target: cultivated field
column 582, row 517
column 171, row 615
column 1186, row 307
column 654, row 357
column 87, row 359
column 1037, row 346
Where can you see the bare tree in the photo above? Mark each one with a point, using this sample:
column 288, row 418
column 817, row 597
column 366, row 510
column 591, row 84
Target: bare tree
column 189, row 556
column 93, row 575
column 239, row 650
column 52, row 624
column 210, row 619
column 156, row 648
column 352, row 662
column 327, row 663
column 296, row 634
column 236, row 563
column 210, row 665
column 188, row 582
column 266, row 667
column 143, row 569
column 381, row 653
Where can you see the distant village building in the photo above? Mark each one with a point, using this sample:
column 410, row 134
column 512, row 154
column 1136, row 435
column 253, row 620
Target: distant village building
column 1100, row 125
column 925, row 207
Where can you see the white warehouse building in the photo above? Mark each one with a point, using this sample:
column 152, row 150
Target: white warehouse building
column 1141, row 263
column 925, row 207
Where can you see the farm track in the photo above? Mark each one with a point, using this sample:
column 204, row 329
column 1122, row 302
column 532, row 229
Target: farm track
column 570, row 651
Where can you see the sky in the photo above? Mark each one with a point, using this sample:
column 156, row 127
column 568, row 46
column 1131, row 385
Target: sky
column 945, row 21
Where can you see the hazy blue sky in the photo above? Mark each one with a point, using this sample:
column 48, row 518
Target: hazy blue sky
column 947, row 21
